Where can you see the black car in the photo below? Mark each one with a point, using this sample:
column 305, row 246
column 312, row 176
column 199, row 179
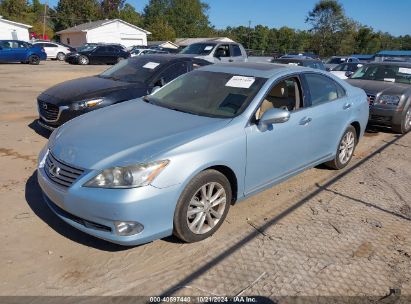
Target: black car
column 98, row 54
column 131, row 78
column 304, row 61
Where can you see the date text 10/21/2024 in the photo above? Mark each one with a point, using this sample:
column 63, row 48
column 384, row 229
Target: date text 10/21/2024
column 203, row 299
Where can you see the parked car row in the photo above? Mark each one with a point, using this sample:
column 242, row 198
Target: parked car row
column 174, row 141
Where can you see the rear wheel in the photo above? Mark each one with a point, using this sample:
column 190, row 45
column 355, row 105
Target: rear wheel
column 61, row 56
column 83, row 60
column 345, row 149
column 34, row 59
column 405, row 125
column 202, row 206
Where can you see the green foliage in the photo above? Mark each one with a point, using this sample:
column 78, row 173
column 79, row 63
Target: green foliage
column 187, row 18
column 161, row 30
column 129, row 14
column 74, row 12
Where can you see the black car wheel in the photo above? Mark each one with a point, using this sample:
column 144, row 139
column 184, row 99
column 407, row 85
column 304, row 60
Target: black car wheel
column 345, row 150
column 83, row 60
column 405, row 125
column 34, row 59
column 202, row 206
column 61, row 56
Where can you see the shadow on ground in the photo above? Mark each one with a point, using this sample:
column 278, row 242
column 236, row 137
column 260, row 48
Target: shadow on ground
column 39, row 129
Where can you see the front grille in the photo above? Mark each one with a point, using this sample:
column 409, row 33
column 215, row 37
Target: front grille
column 61, row 173
column 48, row 111
column 371, row 99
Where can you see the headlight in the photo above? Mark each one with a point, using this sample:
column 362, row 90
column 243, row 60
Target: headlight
column 389, row 99
column 128, row 177
column 85, row 104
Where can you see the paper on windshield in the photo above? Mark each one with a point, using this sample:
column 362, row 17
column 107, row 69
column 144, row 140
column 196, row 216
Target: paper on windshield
column 151, row 65
column 240, row 82
column 404, row 70
column 208, row 48
column 389, row 79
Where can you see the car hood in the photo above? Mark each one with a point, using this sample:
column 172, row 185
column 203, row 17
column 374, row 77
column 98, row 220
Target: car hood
column 375, row 87
column 84, row 88
column 127, row 133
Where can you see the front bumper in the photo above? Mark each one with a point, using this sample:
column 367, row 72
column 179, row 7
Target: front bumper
column 386, row 116
column 94, row 210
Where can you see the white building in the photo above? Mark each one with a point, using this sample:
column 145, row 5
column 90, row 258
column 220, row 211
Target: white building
column 14, row 30
column 104, row 31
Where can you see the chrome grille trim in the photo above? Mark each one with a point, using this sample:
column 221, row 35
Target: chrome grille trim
column 61, row 173
column 52, row 113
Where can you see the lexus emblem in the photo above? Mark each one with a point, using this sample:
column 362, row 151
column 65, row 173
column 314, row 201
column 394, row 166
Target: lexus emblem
column 54, row 170
column 44, row 106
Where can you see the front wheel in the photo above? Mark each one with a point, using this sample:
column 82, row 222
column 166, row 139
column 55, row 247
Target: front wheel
column 345, row 149
column 83, row 60
column 405, row 125
column 34, row 59
column 202, row 206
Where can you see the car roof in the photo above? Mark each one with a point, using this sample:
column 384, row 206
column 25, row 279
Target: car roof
column 402, row 64
column 263, row 70
column 165, row 57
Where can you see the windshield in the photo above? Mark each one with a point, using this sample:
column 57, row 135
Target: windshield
column 335, row 60
column 198, row 49
column 347, row 67
column 388, row 73
column 137, row 69
column 208, row 94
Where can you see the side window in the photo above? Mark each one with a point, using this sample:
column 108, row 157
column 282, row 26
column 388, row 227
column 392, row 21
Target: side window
column 171, row 73
column 323, row 89
column 223, row 50
column 101, row 50
column 50, row 45
column 286, row 94
column 236, row 50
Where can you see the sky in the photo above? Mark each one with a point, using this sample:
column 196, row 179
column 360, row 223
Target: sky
column 391, row 16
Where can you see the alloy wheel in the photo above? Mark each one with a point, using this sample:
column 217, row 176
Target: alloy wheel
column 346, row 147
column 206, row 208
column 408, row 119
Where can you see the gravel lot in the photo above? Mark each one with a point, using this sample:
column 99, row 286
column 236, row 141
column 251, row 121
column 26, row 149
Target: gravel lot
column 322, row 233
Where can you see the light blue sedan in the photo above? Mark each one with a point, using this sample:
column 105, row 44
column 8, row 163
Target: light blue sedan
column 173, row 162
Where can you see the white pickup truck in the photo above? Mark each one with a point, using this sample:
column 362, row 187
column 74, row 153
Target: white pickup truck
column 217, row 52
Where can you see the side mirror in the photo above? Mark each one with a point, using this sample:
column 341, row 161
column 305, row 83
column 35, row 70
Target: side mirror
column 348, row 74
column 327, row 69
column 273, row 116
column 155, row 89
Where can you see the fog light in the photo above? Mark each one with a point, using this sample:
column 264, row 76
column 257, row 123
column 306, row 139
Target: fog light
column 128, row 228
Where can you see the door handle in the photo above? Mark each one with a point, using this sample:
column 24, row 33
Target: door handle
column 305, row 121
column 231, row 60
column 347, row 106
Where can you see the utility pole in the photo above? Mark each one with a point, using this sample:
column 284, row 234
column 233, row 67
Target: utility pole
column 249, row 34
column 44, row 18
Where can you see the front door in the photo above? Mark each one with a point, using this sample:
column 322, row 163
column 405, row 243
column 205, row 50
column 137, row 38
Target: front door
column 280, row 151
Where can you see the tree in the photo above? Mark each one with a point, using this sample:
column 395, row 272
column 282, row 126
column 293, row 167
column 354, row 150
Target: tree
column 73, row 12
column 327, row 19
column 187, row 18
column 16, row 10
column 110, row 9
column 161, row 30
column 129, row 14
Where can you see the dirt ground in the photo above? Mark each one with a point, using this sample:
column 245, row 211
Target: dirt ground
column 322, row 233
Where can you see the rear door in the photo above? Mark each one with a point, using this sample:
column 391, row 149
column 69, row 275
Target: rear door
column 327, row 114
column 51, row 50
column 19, row 50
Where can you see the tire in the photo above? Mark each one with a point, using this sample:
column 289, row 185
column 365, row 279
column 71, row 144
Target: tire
column 83, row 60
column 34, row 59
column 405, row 125
column 345, row 149
column 61, row 56
column 196, row 226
